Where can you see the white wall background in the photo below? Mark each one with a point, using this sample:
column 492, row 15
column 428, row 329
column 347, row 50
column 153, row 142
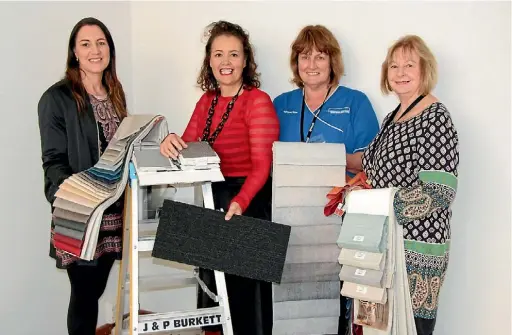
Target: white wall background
column 160, row 51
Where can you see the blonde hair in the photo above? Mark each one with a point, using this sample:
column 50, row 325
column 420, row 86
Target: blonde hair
column 428, row 64
column 322, row 39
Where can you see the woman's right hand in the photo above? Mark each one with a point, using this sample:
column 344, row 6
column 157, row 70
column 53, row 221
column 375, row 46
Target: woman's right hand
column 172, row 145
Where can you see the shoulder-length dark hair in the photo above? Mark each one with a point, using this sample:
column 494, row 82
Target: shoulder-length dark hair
column 250, row 77
column 109, row 80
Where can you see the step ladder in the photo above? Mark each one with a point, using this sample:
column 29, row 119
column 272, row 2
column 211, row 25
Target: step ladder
column 178, row 322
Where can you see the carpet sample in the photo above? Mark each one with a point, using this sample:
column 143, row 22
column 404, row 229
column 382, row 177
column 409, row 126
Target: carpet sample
column 243, row 246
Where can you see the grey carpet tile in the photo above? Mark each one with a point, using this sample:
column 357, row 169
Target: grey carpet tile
column 242, row 246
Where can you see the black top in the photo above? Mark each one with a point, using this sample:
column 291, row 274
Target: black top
column 69, row 140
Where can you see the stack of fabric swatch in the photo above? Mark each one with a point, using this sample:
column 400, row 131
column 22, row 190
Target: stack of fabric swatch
column 197, row 156
column 373, row 264
column 308, row 299
column 83, row 197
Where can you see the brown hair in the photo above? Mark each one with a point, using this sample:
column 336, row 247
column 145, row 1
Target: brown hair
column 250, row 77
column 320, row 38
column 428, row 64
column 109, row 80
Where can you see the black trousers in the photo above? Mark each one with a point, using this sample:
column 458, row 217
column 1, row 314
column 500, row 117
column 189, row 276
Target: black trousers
column 250, row 300
column 88, row 283
column 425, row 326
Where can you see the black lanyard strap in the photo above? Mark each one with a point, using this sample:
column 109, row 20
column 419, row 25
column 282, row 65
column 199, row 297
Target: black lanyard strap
column 385, row 127
column 315, row 116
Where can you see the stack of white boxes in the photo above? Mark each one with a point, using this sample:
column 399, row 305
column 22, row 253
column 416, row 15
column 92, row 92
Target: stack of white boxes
column 308, row 299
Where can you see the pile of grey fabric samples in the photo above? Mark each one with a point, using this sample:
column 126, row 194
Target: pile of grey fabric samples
column 308, row 299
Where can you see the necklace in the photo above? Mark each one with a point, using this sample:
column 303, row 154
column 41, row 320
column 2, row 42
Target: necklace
column 206, row 132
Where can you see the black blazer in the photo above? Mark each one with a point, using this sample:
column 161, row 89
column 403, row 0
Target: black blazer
column 69, row 140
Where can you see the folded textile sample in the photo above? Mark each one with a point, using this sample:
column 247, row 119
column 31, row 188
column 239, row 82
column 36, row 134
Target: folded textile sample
column 373, row 264
column 197, row 156
column 308, row 299
column 82, row 198
column 243, row 246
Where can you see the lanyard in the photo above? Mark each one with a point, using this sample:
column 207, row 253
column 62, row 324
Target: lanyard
column 315, row 116
column 385, row 127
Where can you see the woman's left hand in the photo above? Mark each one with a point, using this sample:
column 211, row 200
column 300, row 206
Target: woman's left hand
column 234, row 209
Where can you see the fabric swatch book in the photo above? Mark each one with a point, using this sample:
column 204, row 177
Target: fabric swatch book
column 83, row 197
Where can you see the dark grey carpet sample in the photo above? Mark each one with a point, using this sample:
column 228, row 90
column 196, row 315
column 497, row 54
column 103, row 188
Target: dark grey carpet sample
column 242, row 246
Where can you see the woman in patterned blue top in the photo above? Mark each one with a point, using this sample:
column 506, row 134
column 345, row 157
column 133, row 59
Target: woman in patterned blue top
column 340, row 114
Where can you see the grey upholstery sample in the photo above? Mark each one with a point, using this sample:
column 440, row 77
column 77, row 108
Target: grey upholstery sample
column 307, row 291
column 310, row 272
column 362, row 259
column 362, row 276
column 314, row 235
column 364, row 232
column 312, row 253
column 308, row 326
column 300, row 196
column 307, row 154
column 306, row 309
column 295, row 175
column 303, row 216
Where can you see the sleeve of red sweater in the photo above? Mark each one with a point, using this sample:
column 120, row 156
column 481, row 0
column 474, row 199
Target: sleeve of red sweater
column 193, row 131
column 263, row 127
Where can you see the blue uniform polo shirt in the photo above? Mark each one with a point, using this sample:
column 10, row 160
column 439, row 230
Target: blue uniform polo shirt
column 347, row 116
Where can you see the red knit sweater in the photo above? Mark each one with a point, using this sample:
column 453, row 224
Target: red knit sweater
column 245, row 143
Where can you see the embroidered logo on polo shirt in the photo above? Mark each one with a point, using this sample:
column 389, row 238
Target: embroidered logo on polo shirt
column 290, row 112
column 344, row 110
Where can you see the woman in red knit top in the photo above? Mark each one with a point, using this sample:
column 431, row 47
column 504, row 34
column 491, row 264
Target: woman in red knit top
column 240, row 123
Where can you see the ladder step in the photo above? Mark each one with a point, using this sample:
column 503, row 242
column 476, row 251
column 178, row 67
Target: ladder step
column 177, row 332
column 177, row 321
column 146, row 244
column 164, row 282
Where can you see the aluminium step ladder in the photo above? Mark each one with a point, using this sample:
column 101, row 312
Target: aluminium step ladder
column 178, row 322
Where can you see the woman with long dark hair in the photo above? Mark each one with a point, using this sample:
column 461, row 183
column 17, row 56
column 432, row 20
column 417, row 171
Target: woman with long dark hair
column 78, row 116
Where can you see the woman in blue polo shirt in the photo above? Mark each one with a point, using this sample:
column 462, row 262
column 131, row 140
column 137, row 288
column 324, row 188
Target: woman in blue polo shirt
column 323, row 109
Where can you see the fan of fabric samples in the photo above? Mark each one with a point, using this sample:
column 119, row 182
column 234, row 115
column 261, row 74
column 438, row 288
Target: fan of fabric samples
column 308, row 299
column 202, row 237
column 83, row 197
column 373, row 263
